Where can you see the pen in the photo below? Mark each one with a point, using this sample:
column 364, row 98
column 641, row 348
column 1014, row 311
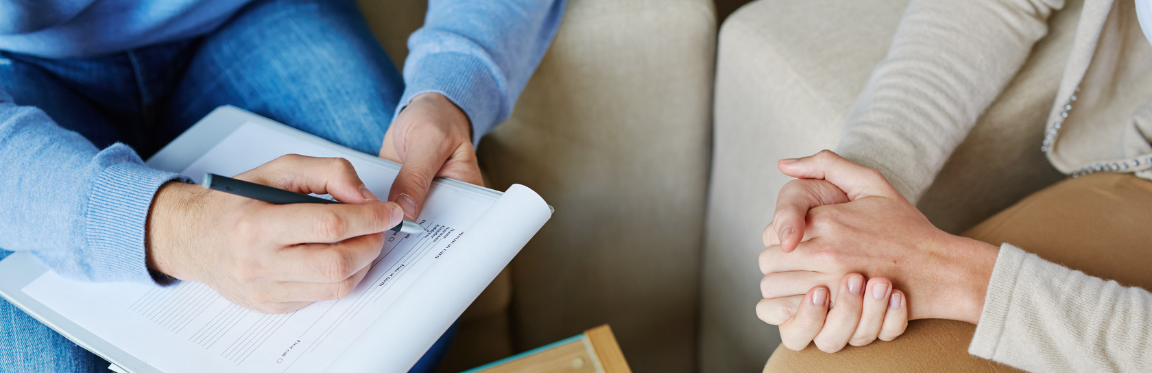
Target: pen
column 281, row 197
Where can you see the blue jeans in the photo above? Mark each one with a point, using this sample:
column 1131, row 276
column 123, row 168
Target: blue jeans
column 310, row 64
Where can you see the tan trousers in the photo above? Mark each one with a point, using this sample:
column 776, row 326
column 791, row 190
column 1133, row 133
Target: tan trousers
column 1097, row 224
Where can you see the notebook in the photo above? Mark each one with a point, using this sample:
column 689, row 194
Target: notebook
column 417, row 287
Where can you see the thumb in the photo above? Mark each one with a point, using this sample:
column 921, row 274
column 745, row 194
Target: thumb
column 410, row 188
column 792, row 205
column 855, row 180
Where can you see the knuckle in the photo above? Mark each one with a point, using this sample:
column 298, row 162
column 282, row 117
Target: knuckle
column 330, row 226
column 795, row 345
column 246, row 228
column 875, row 174
column 287, row 182
column 344, row 289
column 822, row 221
column 872, row 282
column 860, row 341
column 824, row 255
column 828, row 347
column 419, row 176
column 343, row 165
column 890, row 332
column 287, row 158
column 763, row 314
column 244, row 271
column 784, row 313
column 825, row 155
column 379, row 215
column 337, row 267
column 375, row 241
column 822, row 217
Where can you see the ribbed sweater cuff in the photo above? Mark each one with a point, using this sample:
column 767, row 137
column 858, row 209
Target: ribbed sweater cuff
column 464, row 79
column 997, row 302
column 117, row 212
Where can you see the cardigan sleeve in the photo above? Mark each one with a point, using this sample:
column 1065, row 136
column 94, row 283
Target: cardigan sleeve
column 81, row 210
column 1042, row 317
column 947, row 63
column 479, row 54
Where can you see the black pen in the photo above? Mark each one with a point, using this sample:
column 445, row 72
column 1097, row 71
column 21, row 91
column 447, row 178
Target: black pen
column 282, row 197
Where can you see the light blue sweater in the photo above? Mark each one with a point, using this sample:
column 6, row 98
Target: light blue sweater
column 82, row 210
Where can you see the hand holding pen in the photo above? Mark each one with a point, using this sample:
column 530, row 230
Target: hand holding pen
column 271, row 257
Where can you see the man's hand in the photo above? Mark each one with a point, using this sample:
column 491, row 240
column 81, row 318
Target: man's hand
column 272, row 258
column 876, row 233
column 431, row 137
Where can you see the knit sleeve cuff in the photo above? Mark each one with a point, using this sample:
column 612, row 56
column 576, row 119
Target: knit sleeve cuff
column 906, row 189
column 464, row 79
column 117, row 212
column 997, row 302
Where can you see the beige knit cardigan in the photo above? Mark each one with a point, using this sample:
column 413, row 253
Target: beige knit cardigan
column 947, row 63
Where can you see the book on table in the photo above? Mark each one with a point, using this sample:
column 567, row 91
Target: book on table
column 415, row 290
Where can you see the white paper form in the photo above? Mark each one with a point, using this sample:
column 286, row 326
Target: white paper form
column 188, row 327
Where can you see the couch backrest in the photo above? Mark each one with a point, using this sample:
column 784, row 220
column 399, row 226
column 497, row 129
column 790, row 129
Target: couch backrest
column 613, row 130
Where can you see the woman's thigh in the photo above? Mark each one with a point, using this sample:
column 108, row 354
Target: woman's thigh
column 1096, row 224
column 310, row 64
column 927, row 346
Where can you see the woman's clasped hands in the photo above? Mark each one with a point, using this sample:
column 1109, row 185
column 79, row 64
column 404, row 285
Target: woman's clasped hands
column 849, row 260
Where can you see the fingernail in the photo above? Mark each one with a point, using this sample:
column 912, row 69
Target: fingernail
column 790, row 160
column 819, row 297
column 368, row 196
column 855, row 283
column 879, row 291
column 895, row 301
column 408, row 204
column 784, row 233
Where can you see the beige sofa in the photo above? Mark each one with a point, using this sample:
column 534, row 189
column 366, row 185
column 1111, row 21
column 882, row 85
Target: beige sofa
column 787, row 74
column 616, row 131
column 613, row 131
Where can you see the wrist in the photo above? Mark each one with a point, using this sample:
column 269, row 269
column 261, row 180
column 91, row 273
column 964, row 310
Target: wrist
column 973, row 262
column 442, row 103
column 167, row 223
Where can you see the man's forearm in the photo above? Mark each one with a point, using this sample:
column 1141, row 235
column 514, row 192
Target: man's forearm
column 81, row 210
